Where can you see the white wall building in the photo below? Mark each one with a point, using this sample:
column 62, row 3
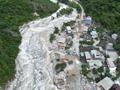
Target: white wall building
column 111, row 66
column 88, row 56
column 105, row 84
column 94, row 34
column 95, row 54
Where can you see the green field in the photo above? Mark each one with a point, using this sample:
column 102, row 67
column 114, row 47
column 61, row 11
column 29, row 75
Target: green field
column 14, row 13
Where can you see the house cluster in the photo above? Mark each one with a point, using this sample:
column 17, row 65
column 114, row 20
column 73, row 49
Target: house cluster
column 92, row 56
column 112, row 56
column 62, row 47
column 95, row 55
column 63, row 50
column 89, row 53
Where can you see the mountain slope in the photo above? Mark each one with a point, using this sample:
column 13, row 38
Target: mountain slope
column 106, row 13
column 14, row 13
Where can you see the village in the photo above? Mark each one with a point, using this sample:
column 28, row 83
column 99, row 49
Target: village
column 77, row 50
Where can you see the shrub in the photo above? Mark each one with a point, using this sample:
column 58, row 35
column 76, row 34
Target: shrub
column 56, row 30
column 52, row 38
column 60, row 67
column 87, row 42
column 66, row 11
column 71, row 4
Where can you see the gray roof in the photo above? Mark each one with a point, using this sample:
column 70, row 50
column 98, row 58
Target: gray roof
column 106, row 83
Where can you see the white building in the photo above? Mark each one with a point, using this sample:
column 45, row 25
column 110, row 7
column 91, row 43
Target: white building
column 61, row 43
column 114, row 36
column 94, row 34
column 105, row 84
column 111, row 66
column 68, row 28
column 87, row 20
column 88, row 56
column 95, row 54
column 84, row 28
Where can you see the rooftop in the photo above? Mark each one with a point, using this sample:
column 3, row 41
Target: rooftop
column 110, row 63
column 106, row 83
column 61, row 40
column 68, row 28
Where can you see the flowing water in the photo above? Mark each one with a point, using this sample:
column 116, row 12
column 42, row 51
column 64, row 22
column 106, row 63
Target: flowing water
column 33, row 67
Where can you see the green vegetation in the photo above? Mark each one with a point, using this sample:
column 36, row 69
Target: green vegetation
column 100, row 73
column 71, row 23
column 14, row 13
column 66, row 11
column 97, row 74
column 60, row 67
column 117, row 45
column 118, row 67
column 105, row 13
column 87, row 42
column 52, row 38
column 85, row 69
column 70, row 62
column 71, row 4
column 56, row 30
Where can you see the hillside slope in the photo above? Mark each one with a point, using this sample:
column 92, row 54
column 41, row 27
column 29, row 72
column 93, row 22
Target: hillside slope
column 14, row 13
column 106, row 13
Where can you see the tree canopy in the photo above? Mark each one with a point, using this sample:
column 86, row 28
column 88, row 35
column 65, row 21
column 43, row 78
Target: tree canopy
column 14, row 13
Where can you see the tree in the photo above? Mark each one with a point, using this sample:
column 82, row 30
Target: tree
column 56, row 30
column 52, row 37
column 94, row 71
column 60, row 67
column 85, row 70
column 100, row 70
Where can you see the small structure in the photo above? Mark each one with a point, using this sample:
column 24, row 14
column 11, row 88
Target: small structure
column 61, row 43
column 36, row 14
column 115, row 87
column 105, row 84
column 111, row 66
column 111, row 52
column 68, row 28
column 82, row 57
column 69, row 40
column 94, row 63
column 61, row 57
column 84, row 28
column 87, row 20
column 94, row 34
column 88, row 56
column 114, row 36
column 95, row 54
column 69, row 31
column 60, row 80
column 70, row 70
column 109, row 46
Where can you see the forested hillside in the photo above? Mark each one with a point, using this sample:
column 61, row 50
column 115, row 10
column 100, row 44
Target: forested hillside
column 14, row 13
column 106, row 13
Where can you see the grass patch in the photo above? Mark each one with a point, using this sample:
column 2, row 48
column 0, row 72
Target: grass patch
column 66, row 11
column 60, row 67
column 71, row 4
